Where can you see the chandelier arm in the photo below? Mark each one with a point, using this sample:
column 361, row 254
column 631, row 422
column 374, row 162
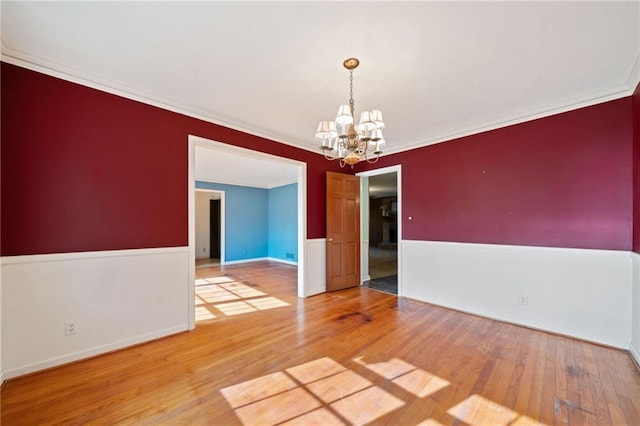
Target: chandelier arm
column 374, row 160
column 328, row 157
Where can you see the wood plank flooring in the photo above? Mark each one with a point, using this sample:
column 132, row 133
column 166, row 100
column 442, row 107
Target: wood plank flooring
column 262, row 356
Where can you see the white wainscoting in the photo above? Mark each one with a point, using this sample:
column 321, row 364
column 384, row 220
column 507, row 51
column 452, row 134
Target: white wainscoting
column 116, row 299
column 581, row 293
column 316, row 267
column 635, row 328
column 1, row 367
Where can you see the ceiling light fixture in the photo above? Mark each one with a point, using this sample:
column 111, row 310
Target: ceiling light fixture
column 341, row 139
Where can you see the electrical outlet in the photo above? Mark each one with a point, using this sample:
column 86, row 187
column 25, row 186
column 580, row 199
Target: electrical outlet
column 70, row 327
column 524, row 300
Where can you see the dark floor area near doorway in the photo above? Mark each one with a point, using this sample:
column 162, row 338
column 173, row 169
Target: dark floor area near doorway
column 387, row 284
column 383, row 269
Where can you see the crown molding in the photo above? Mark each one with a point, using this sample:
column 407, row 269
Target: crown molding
column 602, row 97
column 634, row 75
column 120, row 89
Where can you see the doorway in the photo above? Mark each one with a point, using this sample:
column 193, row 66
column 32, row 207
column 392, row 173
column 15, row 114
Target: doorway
column 209, row 228
column 214, row 229
column 235, row 158
column 381, row 229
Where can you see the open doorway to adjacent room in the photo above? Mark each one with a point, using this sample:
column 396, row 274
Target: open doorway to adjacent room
column 241, row 179
column 381, row 229
column 209, row 244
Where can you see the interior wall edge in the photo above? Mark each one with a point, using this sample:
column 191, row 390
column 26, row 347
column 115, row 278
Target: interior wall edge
column 316, row 267
column 574, row 292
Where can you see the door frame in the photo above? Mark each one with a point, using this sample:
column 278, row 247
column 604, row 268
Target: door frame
column 364, row 210
column 192, row 141
column 222, row 221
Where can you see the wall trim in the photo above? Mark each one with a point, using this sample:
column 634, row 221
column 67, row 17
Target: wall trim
column 286, row 262
column 75, row 76
column 260, row 259
column 510, row 247
column 57, row 257
column 635, row 354
column 253, row 259
column 634, row 75
column 620, row 92
column 91, row 352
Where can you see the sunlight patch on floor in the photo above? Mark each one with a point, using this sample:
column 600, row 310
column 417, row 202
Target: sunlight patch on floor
column 478, row 411
column 238, row 298
column 318, row 392
column 410, row 378
column 325, row 392
column 202, row 313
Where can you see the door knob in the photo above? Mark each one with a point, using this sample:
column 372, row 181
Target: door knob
column 330, row 239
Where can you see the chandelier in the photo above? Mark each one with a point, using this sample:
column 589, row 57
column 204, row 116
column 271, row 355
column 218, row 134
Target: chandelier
column 341, row 139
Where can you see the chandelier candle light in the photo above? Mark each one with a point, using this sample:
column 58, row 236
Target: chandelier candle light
column 341, row 139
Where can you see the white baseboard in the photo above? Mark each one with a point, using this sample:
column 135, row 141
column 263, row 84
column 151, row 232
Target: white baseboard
column 90, row 352
column 260, row 259
column 287, row 262
column 253, row 259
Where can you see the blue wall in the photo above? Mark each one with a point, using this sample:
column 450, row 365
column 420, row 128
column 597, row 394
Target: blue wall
column 246, row 220
column 259, row 223
column 283, row 223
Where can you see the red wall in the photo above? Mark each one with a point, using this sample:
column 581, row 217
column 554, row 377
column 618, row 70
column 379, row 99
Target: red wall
column 561, row 181
column 84, row 170
column 636, row 166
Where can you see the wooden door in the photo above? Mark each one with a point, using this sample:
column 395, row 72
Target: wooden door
column 343, row 231
column 214, row 229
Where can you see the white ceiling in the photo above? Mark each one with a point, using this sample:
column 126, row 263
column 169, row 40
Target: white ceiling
column 437, row 70
column 215, row 162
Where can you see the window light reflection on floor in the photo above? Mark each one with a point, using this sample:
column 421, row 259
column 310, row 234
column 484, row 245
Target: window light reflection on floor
column 318, row 392
column 202, row 313
column 237, row 298
column 479, row 411
column 242, row 290
column 412, row 379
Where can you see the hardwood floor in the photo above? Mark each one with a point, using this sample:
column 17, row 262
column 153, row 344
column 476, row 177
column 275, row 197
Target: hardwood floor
column 356, row 356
